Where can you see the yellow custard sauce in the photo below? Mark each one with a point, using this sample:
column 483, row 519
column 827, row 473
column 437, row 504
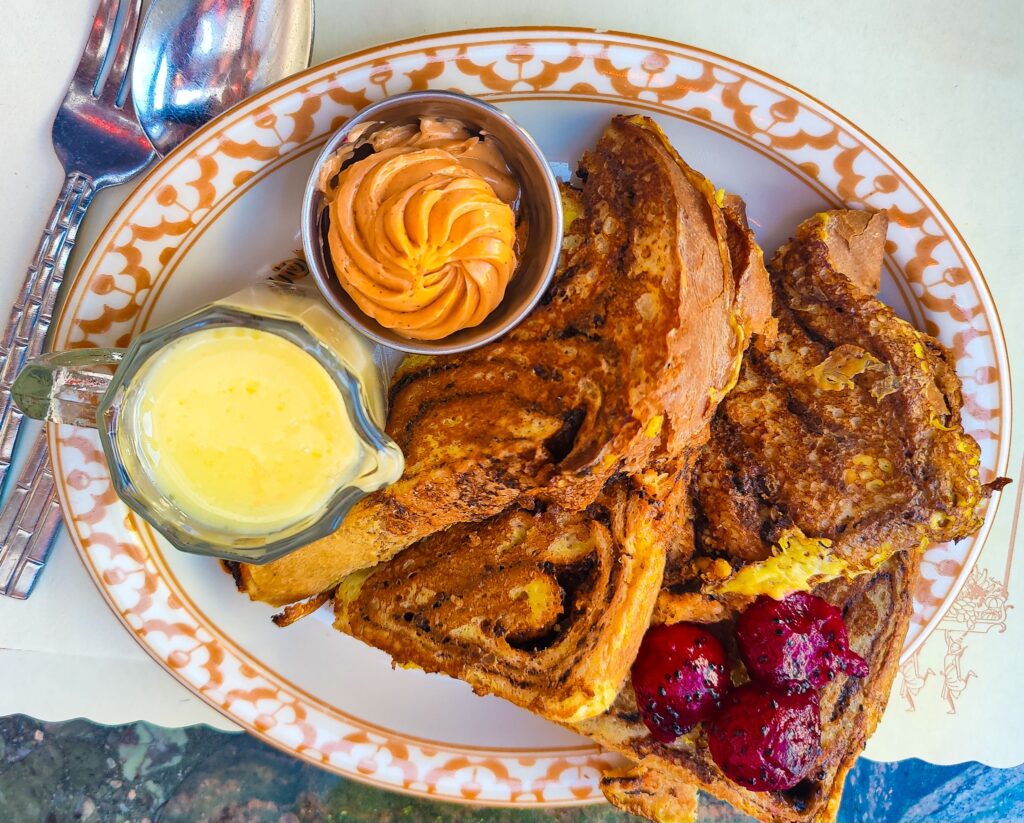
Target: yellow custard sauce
column 243, row 430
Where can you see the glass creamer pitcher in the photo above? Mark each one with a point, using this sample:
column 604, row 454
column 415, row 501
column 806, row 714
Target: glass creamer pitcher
column 243, row 431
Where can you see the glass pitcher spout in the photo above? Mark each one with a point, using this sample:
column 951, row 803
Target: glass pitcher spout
column 66, row 387
column 306, row 385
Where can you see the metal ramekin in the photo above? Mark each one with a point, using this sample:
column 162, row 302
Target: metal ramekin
column 540, row 204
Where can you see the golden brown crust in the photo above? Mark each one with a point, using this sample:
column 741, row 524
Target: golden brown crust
column 753, row 289
column 626, row 359
column 303, row 608
column 650, row 794
column 877, row 610
column 855, row 243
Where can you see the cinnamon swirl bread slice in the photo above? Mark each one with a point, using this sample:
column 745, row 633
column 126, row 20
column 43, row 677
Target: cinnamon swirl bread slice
column 545, row 608
column 627, row 357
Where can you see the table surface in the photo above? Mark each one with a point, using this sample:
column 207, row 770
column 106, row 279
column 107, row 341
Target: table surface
column 935, row 81
column 79, row 771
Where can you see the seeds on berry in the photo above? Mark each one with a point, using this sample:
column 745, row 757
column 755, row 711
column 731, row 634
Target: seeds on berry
column 768, row 741
column 676, row 680
column 795, row 644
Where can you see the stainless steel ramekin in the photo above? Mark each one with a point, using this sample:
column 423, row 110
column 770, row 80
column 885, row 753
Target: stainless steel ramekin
column 540, row 205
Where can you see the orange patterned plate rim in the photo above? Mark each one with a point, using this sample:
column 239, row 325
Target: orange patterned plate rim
column 137, row 253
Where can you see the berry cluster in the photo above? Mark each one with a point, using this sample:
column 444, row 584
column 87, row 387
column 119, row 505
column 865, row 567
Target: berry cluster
column 766, row 734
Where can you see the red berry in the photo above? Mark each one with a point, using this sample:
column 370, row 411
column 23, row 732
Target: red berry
column 679, row 676
column 796, row 644
column 764, row 739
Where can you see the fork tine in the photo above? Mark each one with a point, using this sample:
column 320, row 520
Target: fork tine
column 98, row 43
column 118, row 78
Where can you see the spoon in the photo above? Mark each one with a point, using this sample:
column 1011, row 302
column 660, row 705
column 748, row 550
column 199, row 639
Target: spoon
column 196, row 58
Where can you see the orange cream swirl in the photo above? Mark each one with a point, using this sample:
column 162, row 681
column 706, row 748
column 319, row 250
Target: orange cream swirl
column 418, row 234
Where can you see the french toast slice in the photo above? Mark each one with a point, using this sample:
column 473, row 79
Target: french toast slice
column 539, row 607
column 626, row 358
column 868, row 455
column 841, row 442
column 545, row 603
column 876, row 608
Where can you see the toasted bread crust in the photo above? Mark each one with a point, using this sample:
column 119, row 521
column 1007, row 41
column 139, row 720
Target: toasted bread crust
column 877, row 609
column 626, row 359
column 651, row 793
column 649, row 291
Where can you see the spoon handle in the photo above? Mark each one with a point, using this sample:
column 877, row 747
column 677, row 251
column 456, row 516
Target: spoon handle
column 30, row 318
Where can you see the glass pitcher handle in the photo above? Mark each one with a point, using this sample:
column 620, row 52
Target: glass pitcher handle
column 66, row 387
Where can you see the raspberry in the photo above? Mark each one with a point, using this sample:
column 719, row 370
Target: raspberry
column 795, row 644
column 766, row 740
column 679, row 676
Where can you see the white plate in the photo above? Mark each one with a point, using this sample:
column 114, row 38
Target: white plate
column 226, row 204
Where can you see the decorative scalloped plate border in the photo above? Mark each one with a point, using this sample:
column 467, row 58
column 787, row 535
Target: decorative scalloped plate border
column 110, row 299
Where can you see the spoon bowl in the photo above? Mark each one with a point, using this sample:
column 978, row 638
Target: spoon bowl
column 196, row 58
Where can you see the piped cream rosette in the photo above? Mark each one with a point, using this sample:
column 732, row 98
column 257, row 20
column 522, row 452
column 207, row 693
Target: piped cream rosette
column 419, row 236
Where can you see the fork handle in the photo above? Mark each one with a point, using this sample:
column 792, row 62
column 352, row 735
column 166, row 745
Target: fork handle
column 29, row 523
column 30, row 318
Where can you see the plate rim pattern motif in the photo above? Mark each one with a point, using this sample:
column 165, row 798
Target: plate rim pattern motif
column 182, row 195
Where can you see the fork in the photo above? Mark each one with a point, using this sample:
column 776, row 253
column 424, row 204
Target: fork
column 99, row 142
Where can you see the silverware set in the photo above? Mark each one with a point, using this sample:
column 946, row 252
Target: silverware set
column 100, row 143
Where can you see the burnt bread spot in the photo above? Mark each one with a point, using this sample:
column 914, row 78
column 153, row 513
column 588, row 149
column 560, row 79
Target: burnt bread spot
column 561, row 443
column 234, row 568
column 802, row 795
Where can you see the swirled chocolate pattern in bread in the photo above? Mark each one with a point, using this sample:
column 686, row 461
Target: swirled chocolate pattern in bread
column 876, row 609
column 537, row 607
column 622, row 365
